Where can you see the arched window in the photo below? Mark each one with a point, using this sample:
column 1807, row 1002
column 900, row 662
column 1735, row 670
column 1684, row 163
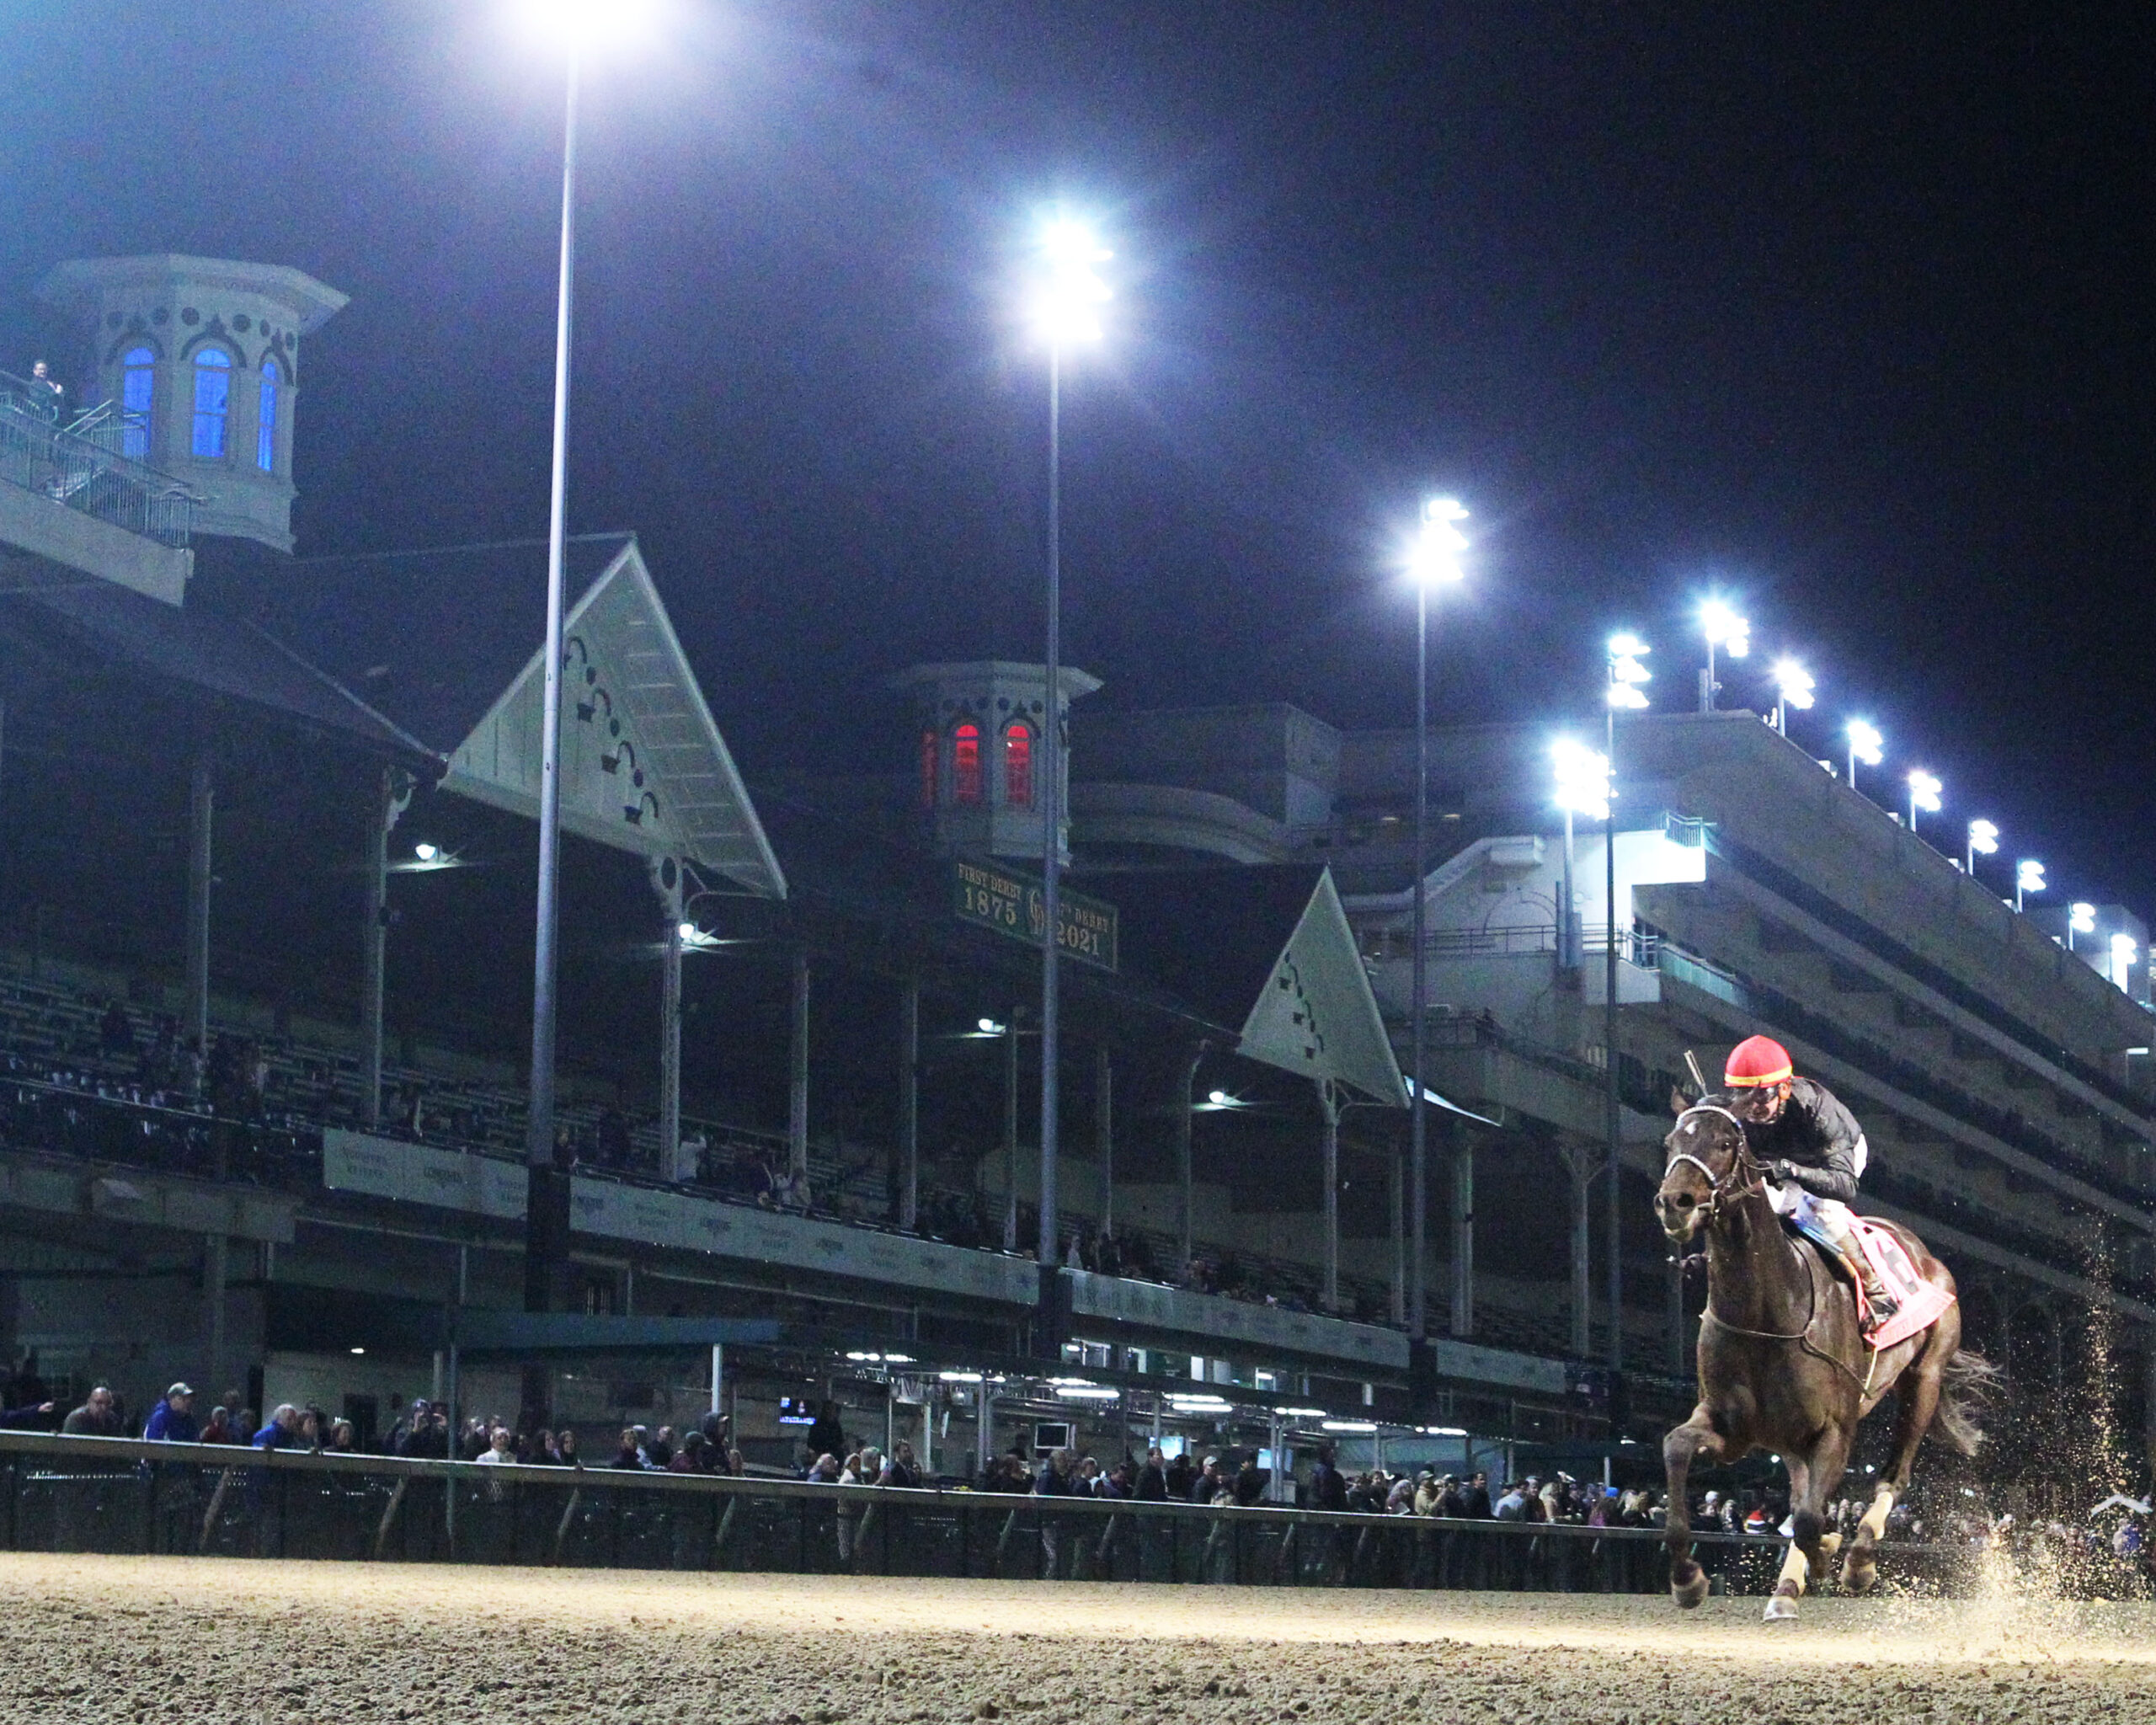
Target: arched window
column 213, row 399
column 265, row 420
column 965, row 763
column 928, row 753
column 138, row 390
column 1018, row 765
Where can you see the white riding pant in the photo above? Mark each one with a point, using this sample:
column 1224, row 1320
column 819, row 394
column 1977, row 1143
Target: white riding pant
column 1827, row 1220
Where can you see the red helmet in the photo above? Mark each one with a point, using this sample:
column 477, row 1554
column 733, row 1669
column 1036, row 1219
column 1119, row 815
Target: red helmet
column 1755, row 1063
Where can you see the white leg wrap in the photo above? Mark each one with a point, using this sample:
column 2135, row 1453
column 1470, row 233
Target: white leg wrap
column 1796, row 1566
column 1874, row 1518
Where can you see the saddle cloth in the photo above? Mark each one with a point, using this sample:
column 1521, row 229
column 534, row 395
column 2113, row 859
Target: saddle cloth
column 1921, row 1301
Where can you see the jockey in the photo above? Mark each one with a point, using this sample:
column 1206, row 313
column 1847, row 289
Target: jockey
column 1814, row 1152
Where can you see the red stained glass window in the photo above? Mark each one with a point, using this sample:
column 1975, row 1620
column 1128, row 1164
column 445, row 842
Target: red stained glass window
column 1018, row 766
column 965, row 763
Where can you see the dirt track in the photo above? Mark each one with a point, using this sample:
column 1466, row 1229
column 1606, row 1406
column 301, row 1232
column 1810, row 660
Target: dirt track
column 122, row 1639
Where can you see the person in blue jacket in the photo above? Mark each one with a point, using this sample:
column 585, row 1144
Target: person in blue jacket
column 172, row 1421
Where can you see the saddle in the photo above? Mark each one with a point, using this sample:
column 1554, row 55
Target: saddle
column 1921, row 1301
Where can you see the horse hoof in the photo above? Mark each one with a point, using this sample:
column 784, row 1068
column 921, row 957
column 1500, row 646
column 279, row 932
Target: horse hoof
column 1829, row 1544
column 1688, row 1594
column 1859, row 1574
column 1782, row 1607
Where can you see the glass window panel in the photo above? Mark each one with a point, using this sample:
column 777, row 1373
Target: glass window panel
column 265, row 428
column 213, row 395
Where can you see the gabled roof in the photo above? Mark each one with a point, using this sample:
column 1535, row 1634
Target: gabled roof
column 1268, row 949
column 449, row 644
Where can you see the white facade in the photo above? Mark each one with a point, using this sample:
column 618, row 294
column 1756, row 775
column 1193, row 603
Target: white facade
column 979, row 728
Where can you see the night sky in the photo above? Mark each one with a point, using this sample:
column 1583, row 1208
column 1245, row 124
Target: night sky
column 1845, row 311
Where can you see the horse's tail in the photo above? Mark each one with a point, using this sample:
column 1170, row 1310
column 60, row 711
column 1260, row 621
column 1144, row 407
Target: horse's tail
column 1967, row 1383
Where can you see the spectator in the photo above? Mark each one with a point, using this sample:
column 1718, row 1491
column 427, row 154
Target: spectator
column 1513, row 1506
column 825, row 1470
column 1118, row 1482
column 48, row 395
column 660, row 1450
column 1474, row 1501
column 735, row 1465
column 172, row 1421
column 825, row 1435
column 565, row 1450
column 1181, row 1475
column 35, row 1417
column 631, row 1454
column 283, row 1430
column 342, row 1438
column 1054, row 1478
column 692, row 1457
column 501, row 1448
column 1328, row 1488
column 1210, row 1482
column 902, row 1470
column 864, row 1468
column 1152, row 1486
column 97, row 1418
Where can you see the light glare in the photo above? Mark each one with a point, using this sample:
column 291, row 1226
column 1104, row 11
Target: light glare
column 2029, row 875
column 1067, row 302
column 1794, row 682
column 1865, row 742
column 1983, row 837
column 1724, row 629
column 1437, row 551
column 1582, row 779
column 2081, row 918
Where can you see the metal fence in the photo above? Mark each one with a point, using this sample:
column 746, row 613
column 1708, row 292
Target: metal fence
column 83, row 466
column 113, row 1495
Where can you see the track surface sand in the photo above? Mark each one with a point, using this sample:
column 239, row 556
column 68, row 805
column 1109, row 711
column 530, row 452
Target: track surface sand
column 156, row 1639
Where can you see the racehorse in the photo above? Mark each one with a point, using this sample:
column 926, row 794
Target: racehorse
column 1784, row 1365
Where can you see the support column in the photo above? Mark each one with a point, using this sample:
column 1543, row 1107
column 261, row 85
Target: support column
column 201, row 810
column 393, row 792
column 1328, row 1101
column 213, row 1293
column 1184, row 1091
column 1104, row 1131
column 910, row 1104
column 1580, row 1165
column 717, row 1377
column 796, row 1101
column 1463, row 1231
column 1011, row 1132
column 666, row 882
column 1399, row 1209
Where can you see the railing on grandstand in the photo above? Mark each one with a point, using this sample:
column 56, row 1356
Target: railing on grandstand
column 113, row 1495
column 1635, row 945
column 84, row 465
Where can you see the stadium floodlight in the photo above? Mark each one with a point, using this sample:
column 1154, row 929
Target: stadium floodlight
column 1626, row 673
column 1865, row 744
column 1582, row 779
column 1793, row 687
column 1924, row 794
column 1363, row 1427
column 2080, row 919
column 988, row 1027
column 1984, row 840
column 426, row 852
column 1066, row 304
column 1438, row 548
column 2028, row 878
column 2126, row 954
column 1726, row 631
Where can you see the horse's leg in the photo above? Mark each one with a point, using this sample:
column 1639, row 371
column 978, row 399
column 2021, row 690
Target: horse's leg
column 1919, row 1390
column 1810, row 1479
column 1695, row 1438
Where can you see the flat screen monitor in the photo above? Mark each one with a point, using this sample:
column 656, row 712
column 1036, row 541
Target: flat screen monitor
column 1051, row 1434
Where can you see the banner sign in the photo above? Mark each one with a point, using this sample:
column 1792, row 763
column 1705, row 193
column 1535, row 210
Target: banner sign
column 991, row 896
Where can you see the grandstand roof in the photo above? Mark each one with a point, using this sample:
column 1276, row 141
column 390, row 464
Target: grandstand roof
column 447, row 644
column 224, row 656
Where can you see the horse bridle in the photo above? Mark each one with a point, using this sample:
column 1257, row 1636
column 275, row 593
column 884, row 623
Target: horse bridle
column 1741, row 1163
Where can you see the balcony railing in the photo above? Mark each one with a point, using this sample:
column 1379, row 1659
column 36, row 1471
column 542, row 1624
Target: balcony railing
column 83, row 464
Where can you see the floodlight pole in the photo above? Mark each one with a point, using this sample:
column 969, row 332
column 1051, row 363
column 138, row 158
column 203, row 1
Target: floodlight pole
column 1418, row 1314
column 1050, row 792
column 542, row 1229
column 1615, row 1213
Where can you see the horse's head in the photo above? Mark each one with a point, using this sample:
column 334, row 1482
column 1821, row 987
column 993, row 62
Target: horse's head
column 1704, row 1165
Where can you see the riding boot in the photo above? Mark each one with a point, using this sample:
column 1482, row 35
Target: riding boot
column 1883, row 1303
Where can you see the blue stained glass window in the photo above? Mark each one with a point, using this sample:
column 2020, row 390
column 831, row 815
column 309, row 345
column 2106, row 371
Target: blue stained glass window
column 265, row 430
column 138, row 386
column 213, row 395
